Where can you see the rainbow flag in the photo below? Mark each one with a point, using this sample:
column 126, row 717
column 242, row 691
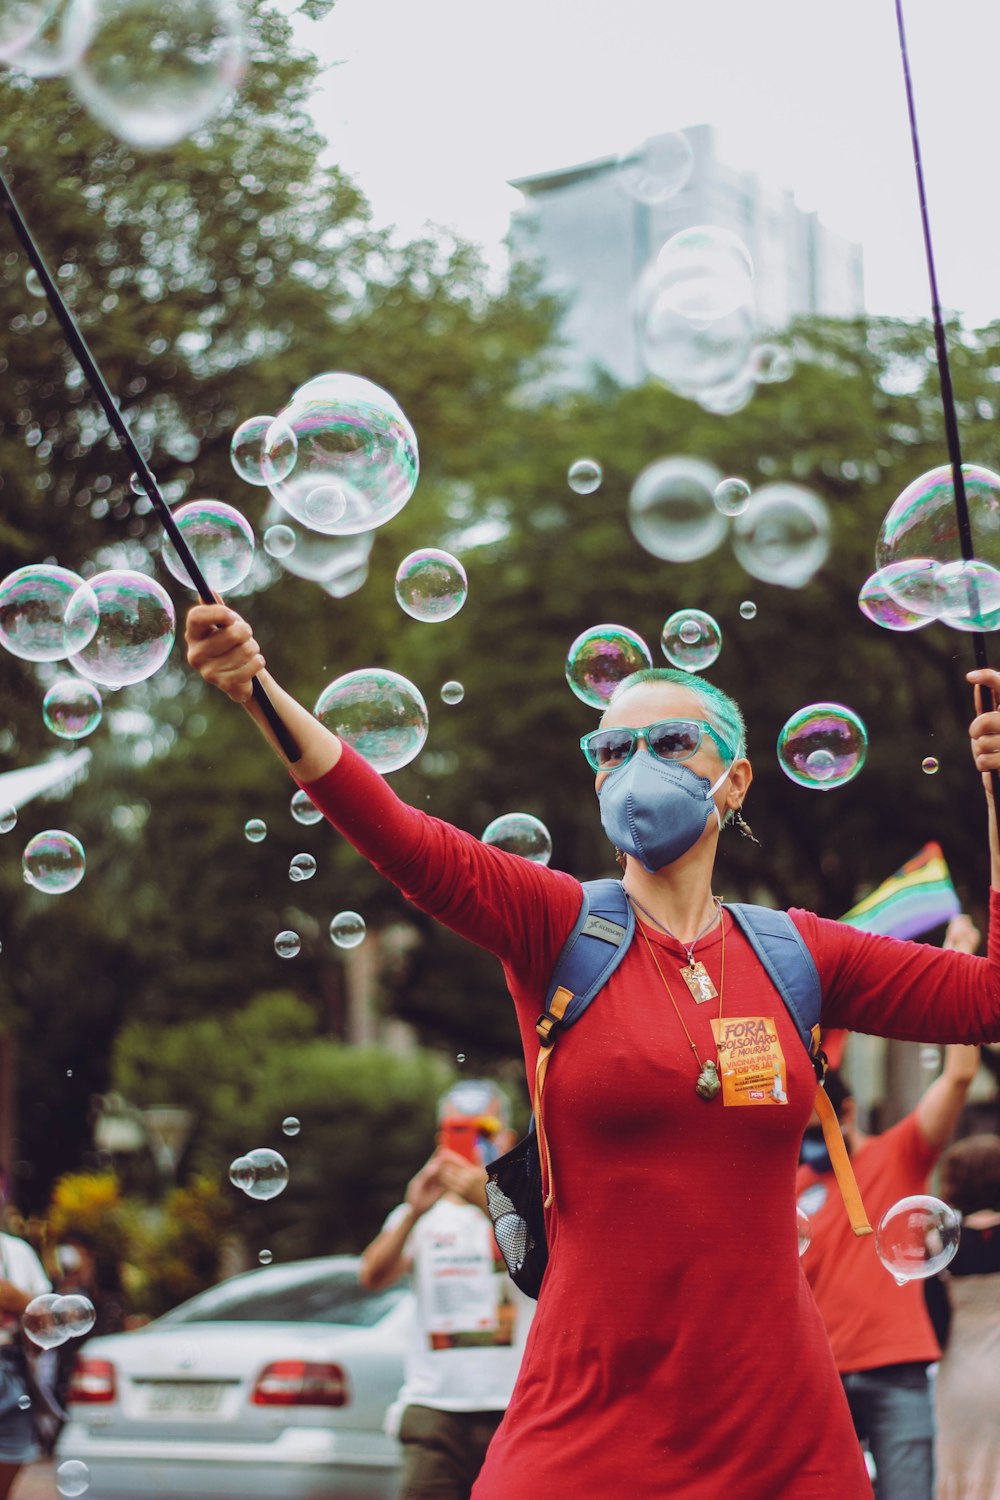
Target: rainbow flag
column 918, row 897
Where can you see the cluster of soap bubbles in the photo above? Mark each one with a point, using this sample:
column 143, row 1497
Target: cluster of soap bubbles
column 151, row 71
column 680, row 509
column 340, row 458
column 51, row 1319
column 602, row 657
column 822, row 746
column 260, row 1173
column 520, row 833
column 302, row 867
column 920, row 574
column 917, row 1237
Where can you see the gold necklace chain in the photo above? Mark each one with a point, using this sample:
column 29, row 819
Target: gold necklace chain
column 708, row 1084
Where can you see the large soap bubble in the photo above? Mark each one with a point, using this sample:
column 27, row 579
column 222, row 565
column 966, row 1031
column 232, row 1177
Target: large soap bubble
column 378, row 712
column 431, row 585
column 970, row 595
column 917, row 1237
column 353, row 439
column 263, row 451
column 672, row 510
column 221, row 540
column 40, row 1322
column 705, row 272
column 53, row 862
column 520, row 833
column 135, row 629
column 153, row 71
column 822, row 746
column 33, row 605
column 19, row 21
column 58, row 44
column 602, row 657
column 922, row 521
column 784, row 536
column 902, row 596
column 698, row 359
column 72, row 708
column 327, row 560
column 72, row 1478
column 657, row 168
column 691, row 640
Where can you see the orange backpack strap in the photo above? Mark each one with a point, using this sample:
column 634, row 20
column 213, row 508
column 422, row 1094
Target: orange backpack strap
column 841, row 1160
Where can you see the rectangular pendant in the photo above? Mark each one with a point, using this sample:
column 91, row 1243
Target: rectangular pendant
column 699, row 982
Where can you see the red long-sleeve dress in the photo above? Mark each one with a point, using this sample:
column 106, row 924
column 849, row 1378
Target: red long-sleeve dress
column 677, row 1352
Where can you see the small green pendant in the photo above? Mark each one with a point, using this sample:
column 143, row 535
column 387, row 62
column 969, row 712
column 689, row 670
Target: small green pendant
column 708, row 1084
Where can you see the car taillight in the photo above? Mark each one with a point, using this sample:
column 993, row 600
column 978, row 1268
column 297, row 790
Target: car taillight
column 92, row 1380
column 295, row 1382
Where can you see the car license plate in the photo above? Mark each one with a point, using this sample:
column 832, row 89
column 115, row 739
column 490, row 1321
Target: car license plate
column 182, row 1398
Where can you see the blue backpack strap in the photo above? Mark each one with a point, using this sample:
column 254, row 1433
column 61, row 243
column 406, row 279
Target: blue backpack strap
column 592, row 952
column 776, row 940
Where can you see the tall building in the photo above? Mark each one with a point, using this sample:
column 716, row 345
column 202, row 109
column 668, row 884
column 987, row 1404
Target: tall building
column 592, row 241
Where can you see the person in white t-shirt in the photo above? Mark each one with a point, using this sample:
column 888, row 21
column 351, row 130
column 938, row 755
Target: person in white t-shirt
column 471, row 1321
column 21, row 1280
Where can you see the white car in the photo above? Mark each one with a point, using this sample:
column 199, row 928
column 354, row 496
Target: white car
column 273, row 1384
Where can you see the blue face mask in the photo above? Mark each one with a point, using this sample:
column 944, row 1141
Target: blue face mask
column 656, row 810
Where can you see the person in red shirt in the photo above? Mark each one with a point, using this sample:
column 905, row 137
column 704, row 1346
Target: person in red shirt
column 676, row 1352
column 880, row 1333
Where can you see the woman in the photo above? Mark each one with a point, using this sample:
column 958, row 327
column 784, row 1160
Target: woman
column 676, row 1351
column 964, row 1304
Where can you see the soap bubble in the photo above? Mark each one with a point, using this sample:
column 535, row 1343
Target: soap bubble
column 24, row 1402
column 691, row 639
column 347, row 929
column 76, row 1314
column 431, row 585
column 748, row 610
column 672, row 509
column 770, row 364
column 72, row 1477
column 57, row 45
column 823, row 746
column 784, row 536
column 452, row 692
column 72, row 708
column 33, row 284
column 602, row 657
column 290, row 1125
column 221, row 541
column 302, row 867
column 40, row 1321
column 970, row 595
column 657, row 168
column 135, row 628
column 930, row 1057
column 255, row 830
column 240, row 1172
column 584, row 476
column 19, row 21
column 53, row 862
column 265, row 1257
column 263, row 450
column 914, row 583
column 8, row 818
column 884, row 606
column 930, row 765
column 351, row 436
column 265, row 1176
column 304, row 809
column 287, row 944
column 33, row 605
column 704, row 273
column 330, row 561
column 917, row 1237
column 732, row 496
column 520, row 833
column 279, row 541
column 153, row 71
column 922, row 522
column 705, row 361
column 378, row 712
column 323, row 506
column 804, row 1229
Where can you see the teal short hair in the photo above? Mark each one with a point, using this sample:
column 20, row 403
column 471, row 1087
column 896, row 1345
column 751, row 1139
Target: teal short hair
column 721, row 711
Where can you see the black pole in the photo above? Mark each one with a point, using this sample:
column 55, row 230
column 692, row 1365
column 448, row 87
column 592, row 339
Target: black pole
column 100, row 388
column 944, row 373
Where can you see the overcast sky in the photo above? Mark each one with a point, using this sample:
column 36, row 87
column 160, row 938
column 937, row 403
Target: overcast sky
column 437, row 103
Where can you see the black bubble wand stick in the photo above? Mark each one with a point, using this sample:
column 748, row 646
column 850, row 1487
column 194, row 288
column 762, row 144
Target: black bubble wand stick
column 944, row 375
column 120, row 428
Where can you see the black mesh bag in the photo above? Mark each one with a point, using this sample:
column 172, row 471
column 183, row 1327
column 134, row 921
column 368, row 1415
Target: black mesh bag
column 514, row 1197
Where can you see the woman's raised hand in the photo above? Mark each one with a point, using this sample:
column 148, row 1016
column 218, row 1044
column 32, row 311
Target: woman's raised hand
column 221, row 647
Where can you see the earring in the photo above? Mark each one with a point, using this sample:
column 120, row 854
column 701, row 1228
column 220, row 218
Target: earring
column 620, row 860
column 743, row 827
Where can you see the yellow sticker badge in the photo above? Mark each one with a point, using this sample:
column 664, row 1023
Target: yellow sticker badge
column 751, row 1062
